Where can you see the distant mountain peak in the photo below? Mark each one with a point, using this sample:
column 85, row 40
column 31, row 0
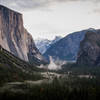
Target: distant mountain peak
column 44, row 44
column 67, row 48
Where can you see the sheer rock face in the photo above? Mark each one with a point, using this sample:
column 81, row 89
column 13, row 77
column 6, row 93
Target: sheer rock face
column 14, row 37
column 89, row 53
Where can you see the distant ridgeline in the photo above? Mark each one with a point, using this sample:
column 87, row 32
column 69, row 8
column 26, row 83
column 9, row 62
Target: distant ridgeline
column 67, row 48
column 44, row 44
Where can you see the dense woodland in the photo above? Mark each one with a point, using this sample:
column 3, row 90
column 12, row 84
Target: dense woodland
column 63, row 89
column 67, row 87
column 70, row 87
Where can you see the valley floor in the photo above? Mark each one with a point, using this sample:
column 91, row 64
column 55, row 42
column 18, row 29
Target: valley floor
column 54, row 86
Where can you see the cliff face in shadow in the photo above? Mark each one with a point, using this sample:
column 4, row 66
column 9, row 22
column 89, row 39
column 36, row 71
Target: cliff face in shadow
column 89, row 53
column 15, row 38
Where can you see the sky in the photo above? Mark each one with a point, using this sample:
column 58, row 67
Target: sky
column 50, row 18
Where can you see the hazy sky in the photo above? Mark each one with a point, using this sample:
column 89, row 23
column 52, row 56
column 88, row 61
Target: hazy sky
column 48, row 18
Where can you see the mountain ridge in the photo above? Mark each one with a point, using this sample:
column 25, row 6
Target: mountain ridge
column 67, row 48
column 44, row 44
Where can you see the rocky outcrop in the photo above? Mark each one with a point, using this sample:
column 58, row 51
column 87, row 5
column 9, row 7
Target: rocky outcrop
column 15, row 38
column 89, row 53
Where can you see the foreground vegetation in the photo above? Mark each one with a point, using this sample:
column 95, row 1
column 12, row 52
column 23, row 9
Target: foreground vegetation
column 80, row 69
column 74, row 82
column 60, row 89
column 14, row 69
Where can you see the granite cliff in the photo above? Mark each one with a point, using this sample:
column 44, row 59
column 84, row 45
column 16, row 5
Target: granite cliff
column 15, row 38
column 89, row 53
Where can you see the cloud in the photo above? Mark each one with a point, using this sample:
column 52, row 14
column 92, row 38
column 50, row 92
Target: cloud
column 27, row 4
column 24, row 4
column 34, row 4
